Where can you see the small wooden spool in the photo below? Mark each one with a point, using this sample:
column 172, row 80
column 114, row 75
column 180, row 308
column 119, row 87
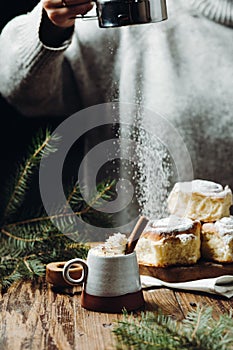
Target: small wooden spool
column 54, row 274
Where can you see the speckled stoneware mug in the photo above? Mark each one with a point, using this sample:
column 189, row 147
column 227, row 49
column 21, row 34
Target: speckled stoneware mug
column 110, row 283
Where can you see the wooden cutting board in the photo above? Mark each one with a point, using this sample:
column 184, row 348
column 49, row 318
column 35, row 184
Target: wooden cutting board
column 203, row 269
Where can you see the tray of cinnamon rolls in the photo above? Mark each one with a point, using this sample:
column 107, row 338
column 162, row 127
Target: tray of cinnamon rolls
column 196, row 240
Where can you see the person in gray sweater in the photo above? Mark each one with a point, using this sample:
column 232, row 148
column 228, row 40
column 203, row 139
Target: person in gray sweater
column 182, row 68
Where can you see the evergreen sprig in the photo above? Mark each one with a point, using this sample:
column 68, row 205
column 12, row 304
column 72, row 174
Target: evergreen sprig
column 198, row 331
column 42, row 145
column 31, row 241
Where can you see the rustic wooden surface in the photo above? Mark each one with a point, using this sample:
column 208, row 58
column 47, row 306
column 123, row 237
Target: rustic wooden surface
column 33, row 316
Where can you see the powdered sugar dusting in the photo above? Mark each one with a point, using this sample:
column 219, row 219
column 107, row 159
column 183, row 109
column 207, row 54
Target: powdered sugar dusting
column 170, row 224
column 155, row 172
column 204, row 187
column 224, row 226
column 151, row 170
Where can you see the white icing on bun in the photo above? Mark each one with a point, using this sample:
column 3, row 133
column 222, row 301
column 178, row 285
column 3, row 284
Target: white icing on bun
column 203, row 187
column 200, row 200
column 170, row 224
column 225, row 226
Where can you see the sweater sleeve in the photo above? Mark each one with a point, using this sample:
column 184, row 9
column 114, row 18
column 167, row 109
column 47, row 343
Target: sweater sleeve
column 35, row 78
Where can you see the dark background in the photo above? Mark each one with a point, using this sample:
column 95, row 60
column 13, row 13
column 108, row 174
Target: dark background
column 16, row 131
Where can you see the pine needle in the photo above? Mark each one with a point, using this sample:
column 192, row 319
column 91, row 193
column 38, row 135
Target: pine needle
column 198, row 331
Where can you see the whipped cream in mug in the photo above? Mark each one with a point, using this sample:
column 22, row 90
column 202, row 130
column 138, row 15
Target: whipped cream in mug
column 114, row 245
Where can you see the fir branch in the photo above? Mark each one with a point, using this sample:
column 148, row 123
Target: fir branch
column 27, row 264
column 198, row 331
column 28, row 244
column 34, row 266
column 74, row 195
column 105, row 193
column 17, row 238
column 26, row 170
column 7, row 279
column 199, row 314
column 43, row 218
column 38, row 236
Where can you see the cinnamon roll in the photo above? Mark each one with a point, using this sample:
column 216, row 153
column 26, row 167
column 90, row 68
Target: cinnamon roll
column 200, row 200
column 169, row 241
column 217, row 240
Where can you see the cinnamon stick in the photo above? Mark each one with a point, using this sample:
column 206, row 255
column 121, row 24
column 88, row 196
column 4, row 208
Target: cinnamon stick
column 136, row 233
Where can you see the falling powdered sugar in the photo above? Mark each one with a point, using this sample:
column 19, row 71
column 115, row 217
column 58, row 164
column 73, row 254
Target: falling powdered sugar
column 150, row 171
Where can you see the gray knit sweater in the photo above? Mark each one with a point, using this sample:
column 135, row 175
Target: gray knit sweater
column 182, row 68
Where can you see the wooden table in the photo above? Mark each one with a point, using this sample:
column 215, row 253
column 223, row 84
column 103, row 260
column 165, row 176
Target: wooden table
column 33, row 316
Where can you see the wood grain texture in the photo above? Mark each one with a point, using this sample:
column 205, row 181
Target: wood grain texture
column 189, row 301
column 35, row 317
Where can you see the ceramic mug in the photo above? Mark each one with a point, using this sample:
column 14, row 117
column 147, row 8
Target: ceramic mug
column 110, row 283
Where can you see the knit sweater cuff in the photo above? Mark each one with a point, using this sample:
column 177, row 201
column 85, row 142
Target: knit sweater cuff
column 34, row 53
